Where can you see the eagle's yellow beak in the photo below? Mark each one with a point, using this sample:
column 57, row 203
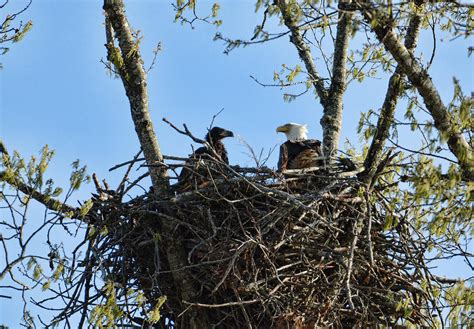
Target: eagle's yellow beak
column 283, row 129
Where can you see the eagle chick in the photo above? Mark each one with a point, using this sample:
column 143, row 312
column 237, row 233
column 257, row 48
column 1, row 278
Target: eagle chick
column 194, row 171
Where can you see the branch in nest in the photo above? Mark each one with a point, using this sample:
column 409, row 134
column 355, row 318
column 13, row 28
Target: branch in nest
column 186, row 132
column 244, row 302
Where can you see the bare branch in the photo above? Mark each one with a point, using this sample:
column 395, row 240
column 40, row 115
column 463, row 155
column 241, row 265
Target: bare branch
column 304, row 51
column 186, row 132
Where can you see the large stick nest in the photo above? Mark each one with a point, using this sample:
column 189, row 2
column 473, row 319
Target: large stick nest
column 265, row 250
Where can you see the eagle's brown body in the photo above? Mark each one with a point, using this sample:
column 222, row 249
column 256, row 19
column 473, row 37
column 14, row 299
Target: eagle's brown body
column 300, row 154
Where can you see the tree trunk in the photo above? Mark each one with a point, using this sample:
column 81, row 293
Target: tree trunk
column 132, row 73
column 129, row 65
column 332, row 117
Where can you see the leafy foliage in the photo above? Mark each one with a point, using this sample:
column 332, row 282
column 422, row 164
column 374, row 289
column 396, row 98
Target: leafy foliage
column 11, row 31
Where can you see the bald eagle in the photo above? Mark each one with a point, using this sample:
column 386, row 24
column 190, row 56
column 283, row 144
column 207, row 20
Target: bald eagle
column 195, row 172
column 298, row 151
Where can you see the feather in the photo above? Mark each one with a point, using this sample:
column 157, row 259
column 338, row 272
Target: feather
column 300, row 154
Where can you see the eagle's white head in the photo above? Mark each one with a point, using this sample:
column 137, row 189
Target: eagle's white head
column 293, row 131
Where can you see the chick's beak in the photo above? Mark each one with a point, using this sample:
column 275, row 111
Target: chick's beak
column 282, row 129
column 227, row 133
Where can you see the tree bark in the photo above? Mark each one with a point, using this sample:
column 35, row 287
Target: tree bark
column 420, row 79
column 133, row 76
column 332, row 117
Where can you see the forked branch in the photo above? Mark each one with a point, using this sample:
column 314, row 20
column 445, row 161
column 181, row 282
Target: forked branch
column 387, row 112
column 420, row 79
column 330, row 98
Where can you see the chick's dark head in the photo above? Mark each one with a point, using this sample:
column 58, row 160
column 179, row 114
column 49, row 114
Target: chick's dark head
column 218, row 133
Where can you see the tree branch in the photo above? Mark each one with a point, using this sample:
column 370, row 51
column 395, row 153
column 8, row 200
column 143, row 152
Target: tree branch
column 330, row 98
column 49, row 202
column 387, row 112
column 303, row 50
column 129, row 64
column 419, row 77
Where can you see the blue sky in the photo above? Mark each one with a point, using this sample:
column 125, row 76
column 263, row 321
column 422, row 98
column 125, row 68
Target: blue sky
column 54, row 89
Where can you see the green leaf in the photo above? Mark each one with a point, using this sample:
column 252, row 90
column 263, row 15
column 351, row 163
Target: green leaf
column 37, row 272
column 86, row 207
column 30, row 263
column 155, row 315
column 46, row 285
column 59, row 271
column 21, row 34
column 215, row 9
